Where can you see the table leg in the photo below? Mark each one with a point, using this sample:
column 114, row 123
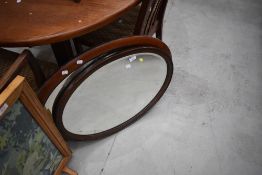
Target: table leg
column 63, row 52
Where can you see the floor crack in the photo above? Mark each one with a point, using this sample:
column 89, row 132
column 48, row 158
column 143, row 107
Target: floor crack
column 110, row 150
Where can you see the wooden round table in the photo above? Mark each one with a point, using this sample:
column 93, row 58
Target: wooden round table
column 31, row 23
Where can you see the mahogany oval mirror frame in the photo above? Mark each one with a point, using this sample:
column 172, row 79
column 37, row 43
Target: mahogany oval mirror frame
column 116, row 51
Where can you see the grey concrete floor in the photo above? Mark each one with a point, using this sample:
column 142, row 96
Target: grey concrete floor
column 209, row 122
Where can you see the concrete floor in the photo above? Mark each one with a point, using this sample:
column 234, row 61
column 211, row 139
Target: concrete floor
column 209, row 122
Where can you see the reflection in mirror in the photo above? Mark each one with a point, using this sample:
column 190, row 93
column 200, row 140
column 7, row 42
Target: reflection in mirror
column 51, row 99
column 114, row 93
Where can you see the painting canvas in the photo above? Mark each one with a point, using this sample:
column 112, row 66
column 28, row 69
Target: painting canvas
column 24, row 147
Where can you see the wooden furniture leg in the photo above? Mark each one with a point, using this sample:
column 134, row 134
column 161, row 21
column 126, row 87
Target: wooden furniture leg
column 39, row 75
column 63, row 52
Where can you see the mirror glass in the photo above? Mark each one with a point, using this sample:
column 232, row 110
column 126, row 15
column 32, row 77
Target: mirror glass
column 114, row 93
column 51, row 99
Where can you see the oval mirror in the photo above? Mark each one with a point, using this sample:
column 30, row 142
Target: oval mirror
column 111, row 93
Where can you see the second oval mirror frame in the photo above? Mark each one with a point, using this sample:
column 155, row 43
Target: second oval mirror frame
column 112, row 93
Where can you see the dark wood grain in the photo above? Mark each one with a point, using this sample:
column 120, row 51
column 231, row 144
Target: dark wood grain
column 111, row 51
column 63, row 52
column 150, row 19
column 94, row 53
column 144, row 19
column 74, row 82
column 31, row 23
column 20, row 62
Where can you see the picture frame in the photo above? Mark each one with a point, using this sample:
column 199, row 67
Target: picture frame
column 30, row 143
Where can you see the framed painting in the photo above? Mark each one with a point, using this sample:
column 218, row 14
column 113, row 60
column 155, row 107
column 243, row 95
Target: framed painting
column 30, row 144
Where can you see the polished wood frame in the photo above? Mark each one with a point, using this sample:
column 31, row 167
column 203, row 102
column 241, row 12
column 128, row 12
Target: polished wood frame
column 150, row 18
column 64, row 25
column 100, row 56
column 96, row 53
column 56, row 22
column 149, row 22
column 72, row 84
column 19, row 89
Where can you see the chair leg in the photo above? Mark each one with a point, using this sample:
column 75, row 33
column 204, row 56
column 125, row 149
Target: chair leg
column 63, row 52
column 78, row 46
column 39, row 75
column 159, row 32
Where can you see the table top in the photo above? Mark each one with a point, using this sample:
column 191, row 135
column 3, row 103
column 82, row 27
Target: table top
column 31, row 22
